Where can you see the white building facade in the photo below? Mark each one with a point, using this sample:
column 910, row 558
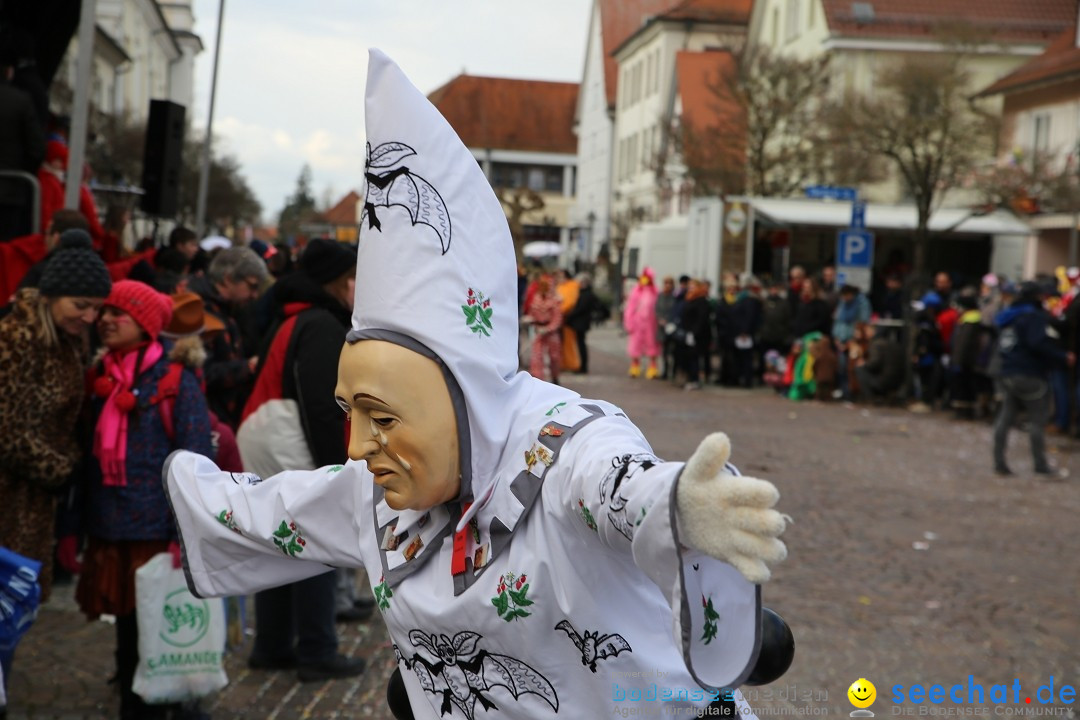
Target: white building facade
column 143, row 50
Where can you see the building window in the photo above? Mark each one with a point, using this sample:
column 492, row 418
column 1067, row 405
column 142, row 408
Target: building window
column 1041, row 143
column 792, row 29
column 536, row 179
column 649, row 69
column 656, row 79
column 553, row 179
column 813, row 15
column 775, row 26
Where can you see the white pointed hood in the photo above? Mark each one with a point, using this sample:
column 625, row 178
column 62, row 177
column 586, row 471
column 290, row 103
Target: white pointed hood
column 436, row 272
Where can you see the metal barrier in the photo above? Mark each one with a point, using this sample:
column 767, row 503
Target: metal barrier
column 9, row 180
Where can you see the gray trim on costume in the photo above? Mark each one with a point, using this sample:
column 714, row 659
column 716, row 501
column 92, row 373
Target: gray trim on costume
column 430, row 549
column 526, row 488
column 180, row 537
column 685, row 622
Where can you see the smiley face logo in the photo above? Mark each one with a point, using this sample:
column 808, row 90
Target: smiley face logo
column 862, row 693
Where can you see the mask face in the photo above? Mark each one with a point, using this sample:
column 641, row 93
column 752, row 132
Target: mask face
column 402, row 423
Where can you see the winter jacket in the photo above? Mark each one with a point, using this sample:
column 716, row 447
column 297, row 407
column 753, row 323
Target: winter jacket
column 580, row 318
column 1025, row 345
column 291, row 421
column 228, row 378
column 812, row 316
column 971, row 343
column 885, row 361
column 847, row 315
column 41, row 390
column 139, row 509
column 776, row 321
column 696, row 320
column 747, row 315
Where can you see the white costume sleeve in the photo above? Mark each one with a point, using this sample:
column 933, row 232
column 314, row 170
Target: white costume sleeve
column 240, row 534
column 624, row 495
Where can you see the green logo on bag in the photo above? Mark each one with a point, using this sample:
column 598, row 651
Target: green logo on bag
column 186, row 620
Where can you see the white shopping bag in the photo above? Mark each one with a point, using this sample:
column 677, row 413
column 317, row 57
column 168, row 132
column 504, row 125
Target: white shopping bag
column 181, row 637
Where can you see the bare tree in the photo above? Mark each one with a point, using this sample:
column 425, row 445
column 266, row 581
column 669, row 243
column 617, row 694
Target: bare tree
column 116, row 157
column 1032, row 183
column 765, row 132
column 518, row 202
column 921, row 119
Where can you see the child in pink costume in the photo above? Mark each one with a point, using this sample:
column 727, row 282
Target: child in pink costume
column 639, row 320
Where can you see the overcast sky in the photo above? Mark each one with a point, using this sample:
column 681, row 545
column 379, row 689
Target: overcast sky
column 291, row 74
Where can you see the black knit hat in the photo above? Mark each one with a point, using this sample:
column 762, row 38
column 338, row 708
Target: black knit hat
column 74, row 269
column 326, row 260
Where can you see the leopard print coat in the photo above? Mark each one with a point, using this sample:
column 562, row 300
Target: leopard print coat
column 41, row 391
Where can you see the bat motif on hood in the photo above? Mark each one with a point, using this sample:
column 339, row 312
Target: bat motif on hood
column 400, row 186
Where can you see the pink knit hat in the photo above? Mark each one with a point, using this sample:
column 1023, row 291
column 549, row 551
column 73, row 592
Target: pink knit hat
column 149, row 308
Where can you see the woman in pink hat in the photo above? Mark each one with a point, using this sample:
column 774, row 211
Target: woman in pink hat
column 126, row 516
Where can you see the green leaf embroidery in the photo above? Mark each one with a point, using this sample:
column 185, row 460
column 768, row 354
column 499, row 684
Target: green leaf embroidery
column 555, row 409
column 334, row 468
column 288, row 539
column 478, row 312
column 711, row 616
column 510, row 600
column 383, row 593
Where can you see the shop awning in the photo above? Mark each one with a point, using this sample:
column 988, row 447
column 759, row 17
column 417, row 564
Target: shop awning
column 796, row 211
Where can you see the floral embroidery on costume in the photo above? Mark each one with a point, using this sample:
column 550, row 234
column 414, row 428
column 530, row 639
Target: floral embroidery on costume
column 383, row 593
column 289, row 539
column 334, row 468
column 478, row 312
column 711, row 616
column 586, row 515
column 511, row 597
column 225, row 518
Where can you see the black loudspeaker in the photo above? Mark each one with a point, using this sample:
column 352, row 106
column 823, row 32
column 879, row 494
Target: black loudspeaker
column 162, row 158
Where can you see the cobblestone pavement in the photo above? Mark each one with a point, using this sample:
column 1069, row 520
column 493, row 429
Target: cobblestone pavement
column 909, row 562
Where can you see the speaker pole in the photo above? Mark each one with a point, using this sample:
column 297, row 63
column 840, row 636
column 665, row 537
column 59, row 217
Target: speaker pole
column 204, row 171
column 77, row 135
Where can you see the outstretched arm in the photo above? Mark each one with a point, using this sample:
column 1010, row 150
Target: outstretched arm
column 701, row 532
column 241, row 534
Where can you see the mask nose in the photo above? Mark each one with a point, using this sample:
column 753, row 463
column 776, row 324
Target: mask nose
column 361, row 444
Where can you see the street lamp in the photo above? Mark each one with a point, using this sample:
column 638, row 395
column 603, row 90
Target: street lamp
column 591, row 218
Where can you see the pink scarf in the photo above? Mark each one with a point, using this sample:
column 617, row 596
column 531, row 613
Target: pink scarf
column 110, row 435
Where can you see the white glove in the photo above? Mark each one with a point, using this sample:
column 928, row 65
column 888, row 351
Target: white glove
column 729, row 517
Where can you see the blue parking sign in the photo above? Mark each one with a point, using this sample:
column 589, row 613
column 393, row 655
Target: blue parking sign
column 855, row 248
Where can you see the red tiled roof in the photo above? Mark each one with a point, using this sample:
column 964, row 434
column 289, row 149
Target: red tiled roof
column 619, row 19
column 727, row 11
column 1060, row 61
column 509, row 114
column 1002, row 20
column 703, row 109
column 622, row 19
column 344, row 212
